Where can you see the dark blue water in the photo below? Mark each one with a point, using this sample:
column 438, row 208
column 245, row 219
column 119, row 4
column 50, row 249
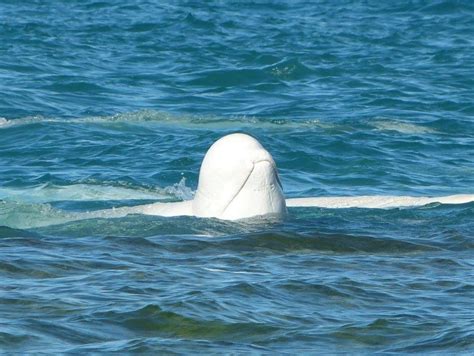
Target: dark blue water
column 109, row 103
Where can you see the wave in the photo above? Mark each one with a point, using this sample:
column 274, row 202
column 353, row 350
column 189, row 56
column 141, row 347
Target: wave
column 234, row 122
column 32, row 207
column 152, row 318
column 48, row 192
column 336, row 243
column 164, row 118
column 77, row 192
column 19, row 215
column 402, row 127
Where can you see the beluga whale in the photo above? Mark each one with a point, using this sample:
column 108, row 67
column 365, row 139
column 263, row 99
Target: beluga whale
column 238, row 179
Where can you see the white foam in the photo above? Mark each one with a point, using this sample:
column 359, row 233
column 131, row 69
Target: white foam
column 402, row 127
column 4, row 122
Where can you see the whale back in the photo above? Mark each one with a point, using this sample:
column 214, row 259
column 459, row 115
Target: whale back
column 238, row 179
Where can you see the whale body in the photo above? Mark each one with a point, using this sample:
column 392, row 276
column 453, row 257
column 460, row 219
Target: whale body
column 238, row 179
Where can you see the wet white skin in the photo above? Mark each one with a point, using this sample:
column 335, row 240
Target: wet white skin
column 238, row 179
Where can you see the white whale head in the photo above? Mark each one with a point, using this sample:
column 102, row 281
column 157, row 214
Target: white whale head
column 238, row 179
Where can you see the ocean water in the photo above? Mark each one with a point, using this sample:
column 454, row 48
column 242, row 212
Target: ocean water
column 110, row 103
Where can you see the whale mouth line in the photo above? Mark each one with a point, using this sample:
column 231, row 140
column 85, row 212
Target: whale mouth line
column 246, row 180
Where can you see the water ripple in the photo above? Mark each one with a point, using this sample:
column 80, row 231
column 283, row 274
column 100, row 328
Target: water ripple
column 109, row 104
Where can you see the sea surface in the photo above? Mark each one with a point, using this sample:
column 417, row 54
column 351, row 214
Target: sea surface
column 111, row 103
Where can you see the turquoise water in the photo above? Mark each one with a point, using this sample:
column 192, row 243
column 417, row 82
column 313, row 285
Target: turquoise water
column 109, row 103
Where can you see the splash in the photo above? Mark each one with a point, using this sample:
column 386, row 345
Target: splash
column 4, row 122
column 180, row 190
